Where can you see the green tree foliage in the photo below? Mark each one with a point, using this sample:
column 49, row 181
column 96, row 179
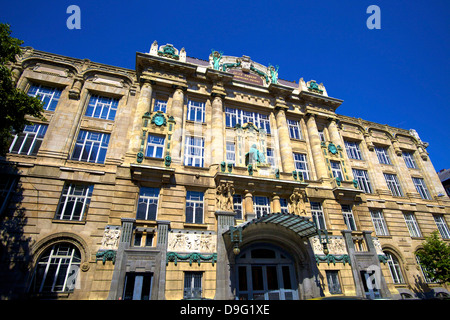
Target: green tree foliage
column 14, row 103
column 435, row 258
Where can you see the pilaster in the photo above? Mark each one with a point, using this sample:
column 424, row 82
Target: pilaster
column 177, row 110
column 287, row 159
column 316, row 148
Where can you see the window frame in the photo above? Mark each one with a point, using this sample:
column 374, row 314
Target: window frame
column 102, row 103
column 362, row 177
column 393, row 184
column 193, row 281
column 298, row 163
column 156, row 146
column 336, row 170
column 383, row 155
column 349, row 218
column 191, row 157
column 379, row 223
column 195, row 200
column 295, row 130
column 237, row 206
column 68, row 195
column 54, row 96
column 394, row 268
column 230, row 154
column 159, row 105
column 234, row 116
column 442, row 226
column 318, row 215
column 148, row 196
column 421, row 187
column 353, row 151
column 101, row 146
column 333, row 281
column 261, row 206
column 412, row 225
column 408, row 157
column 36, row 134
column 195, row 111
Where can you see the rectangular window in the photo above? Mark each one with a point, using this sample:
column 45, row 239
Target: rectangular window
column 409, row 159
column 138, row 286
column 196, row 111
column 74, row 202
column 333, row 281
column 349, row 220
column 261, row 206
column 102, row 107
column 237, row 206
column 379, row 223
column 284, row 205
column 237, row 116
column 412, row 225
column 155, row 146
column 147, row 204
column 317, row 215
column 295, row 131
column 194, row 151
column 336, row 169
column 442, row 226
column 421, row 188
column 194, row 207
column 321, row 135
column 160, row 105
column 424, row 273
column 192, row 285
column 393, row 184
column 29, row 141
column 50, row 96
column 91, row 147
column 271, row 157
column 231, row 152
column 363, row 180
column 301, row 165
column 352, row 149
column 382, row 155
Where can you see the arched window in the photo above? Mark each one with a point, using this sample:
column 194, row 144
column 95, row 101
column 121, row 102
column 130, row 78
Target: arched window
column 57, row 269
column 394, row 268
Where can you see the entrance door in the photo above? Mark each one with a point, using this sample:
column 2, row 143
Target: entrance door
column 138, row 286
column 265, row 273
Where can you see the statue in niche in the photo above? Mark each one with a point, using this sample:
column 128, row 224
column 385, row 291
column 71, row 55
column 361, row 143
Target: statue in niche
column 217, row 56
column 225, row 192
column 297, row 202
column 254, row 156
column 273, row 73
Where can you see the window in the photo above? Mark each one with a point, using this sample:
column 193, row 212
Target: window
column 421, row 188
column 237, row 116
column 192, row 285
column 412, row 225
column 160, row 105
column 261, row 206
column 271, row 157
column 57, row 269
column 363, row 180
column 393, row 184
column 394, row 268
column 138, row 286
column 7, row 184
column 295, row 132
column 50, row 96
column 382, row 155
column 194, row 207
column 301, row 165
column 409, row 159
column 284, row 205
column 237, row 206
column 336, row 169
column 321, row 135
column 317, row 215
column 142, row 239
column 29, row 141
column 231, row 152
column 155, row 146
column 379, row 223
column 442, row 226
column 194, row 151
column 424, row 272
column 334, row 285
column 74, row 202
column 102, row 107
column 147, row 204
column 352, row 149
column 91, row 147
column 196, row 111
column 348, row 217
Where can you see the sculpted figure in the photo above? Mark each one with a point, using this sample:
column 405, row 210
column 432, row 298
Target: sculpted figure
column 217, row 56
column 297, row 202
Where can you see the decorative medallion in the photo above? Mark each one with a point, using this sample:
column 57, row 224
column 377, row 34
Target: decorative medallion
column 332, row 148
column 159, row 119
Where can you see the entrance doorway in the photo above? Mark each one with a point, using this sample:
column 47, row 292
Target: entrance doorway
column 138, row 286
column 265, row 273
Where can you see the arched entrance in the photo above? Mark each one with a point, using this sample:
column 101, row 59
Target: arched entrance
column 265, row 272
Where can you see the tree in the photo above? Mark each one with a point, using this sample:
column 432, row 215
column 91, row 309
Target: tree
column 14, row 103
column 435, row 258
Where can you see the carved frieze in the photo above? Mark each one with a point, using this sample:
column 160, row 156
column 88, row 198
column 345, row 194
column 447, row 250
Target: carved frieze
column 111, row 236
column 190, row 241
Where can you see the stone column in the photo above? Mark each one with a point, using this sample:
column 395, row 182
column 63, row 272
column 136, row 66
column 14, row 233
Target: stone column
column 143, row 105
column 248, row 206
column 177, row 111
column 217, row 136
column 287, row 158
column 159, row 282
column 276, row 204
column 225, row 220
column 316, row 149
column 118, row 278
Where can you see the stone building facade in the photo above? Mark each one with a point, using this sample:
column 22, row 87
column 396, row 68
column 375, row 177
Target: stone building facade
column 190, row 178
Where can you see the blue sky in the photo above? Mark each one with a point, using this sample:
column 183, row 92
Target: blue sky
column 397, row 75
